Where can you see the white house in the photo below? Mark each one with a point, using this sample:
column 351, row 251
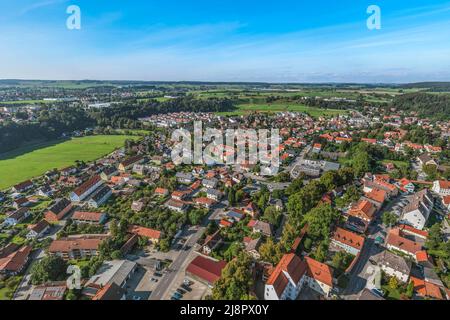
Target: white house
column 38, row 230
column 348, row 241
column 417, row 211
column 441, row 187
column 86, row 189
column 17, row 217
column 292, row 274
column 394, row 265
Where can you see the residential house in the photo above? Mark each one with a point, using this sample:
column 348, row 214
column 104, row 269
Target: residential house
column 417, row 211
column 21, row 202
column 286, row 280
column 351, row 242
column 89, row 217
column 292, row 274
column 153, row 235
column 426, row 289
column 110, row 292
column 262, row 227
column 45, row 191
column 58, row 210
column 214, row 194
column 100, row 196
column 138, row 205
column 252, row 247
column 210, row 183
column 441, row 187
column 86, row 189
column 130, row 162
column 425, row 160
column 17, row 217
column 108, row 173
column 185, row 178
column 236, row 215
column 139, row 169
column 23, row 186
column 204, row 202
column 363, row 210
column 211, row 242
column 83, row 247
column 38, row 230
column 394, row 265
column 377, row 197
column 251, row 210
column 161, row 192
column 396, row 241
column 405, row 185
column 15, row 263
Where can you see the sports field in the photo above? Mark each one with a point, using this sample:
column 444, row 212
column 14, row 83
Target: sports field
column 18, row 166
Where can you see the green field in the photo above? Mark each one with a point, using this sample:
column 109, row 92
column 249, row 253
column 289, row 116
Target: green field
column 26, row 102
column 277, row 107
column 19, row 166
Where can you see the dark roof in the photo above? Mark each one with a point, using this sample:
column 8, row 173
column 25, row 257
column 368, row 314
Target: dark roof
column 59, row 206
column 110, row 292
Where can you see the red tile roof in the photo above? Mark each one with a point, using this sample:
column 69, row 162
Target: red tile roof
column 88, row 216
column 396, row 240
column 87, row 185
column 290, row 264
column 67, row 245
column 377, row 195
column 319, row 271
column 16, row 260
column 426, row 289
column 363, row 209
column 144, row 232
column 206, row 269
column 349, row 238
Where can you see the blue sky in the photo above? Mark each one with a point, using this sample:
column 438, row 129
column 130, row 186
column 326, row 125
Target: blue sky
column 226, row 40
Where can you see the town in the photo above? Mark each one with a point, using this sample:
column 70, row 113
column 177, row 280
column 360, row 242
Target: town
column 358, row 209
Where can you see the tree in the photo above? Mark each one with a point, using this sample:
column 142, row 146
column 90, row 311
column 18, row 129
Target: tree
column 50, row 268
column 389, row 219
column 435, row 237
column 341, row 260
column 164, row 245
column 272, row 215
column 320, row 220
column 393, row 283
column 236, row 280
column 410, row 290
column 270, row 252
column 231, row 197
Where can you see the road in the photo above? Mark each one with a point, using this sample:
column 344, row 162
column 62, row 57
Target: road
column 178, row 265
column 24, row 289
column 297, row 161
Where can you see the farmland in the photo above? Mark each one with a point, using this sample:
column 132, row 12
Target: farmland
column 264, row 107
column 25, row 163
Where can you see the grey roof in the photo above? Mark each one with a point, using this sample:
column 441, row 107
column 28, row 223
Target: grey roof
column 393, row 261
column 115, row 271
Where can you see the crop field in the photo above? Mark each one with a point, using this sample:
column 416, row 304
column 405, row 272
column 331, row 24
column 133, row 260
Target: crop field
column 312, row 111
column 24, row 164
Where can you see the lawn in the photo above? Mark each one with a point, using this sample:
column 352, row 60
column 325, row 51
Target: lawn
column 276, row 107
column 17, row 167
